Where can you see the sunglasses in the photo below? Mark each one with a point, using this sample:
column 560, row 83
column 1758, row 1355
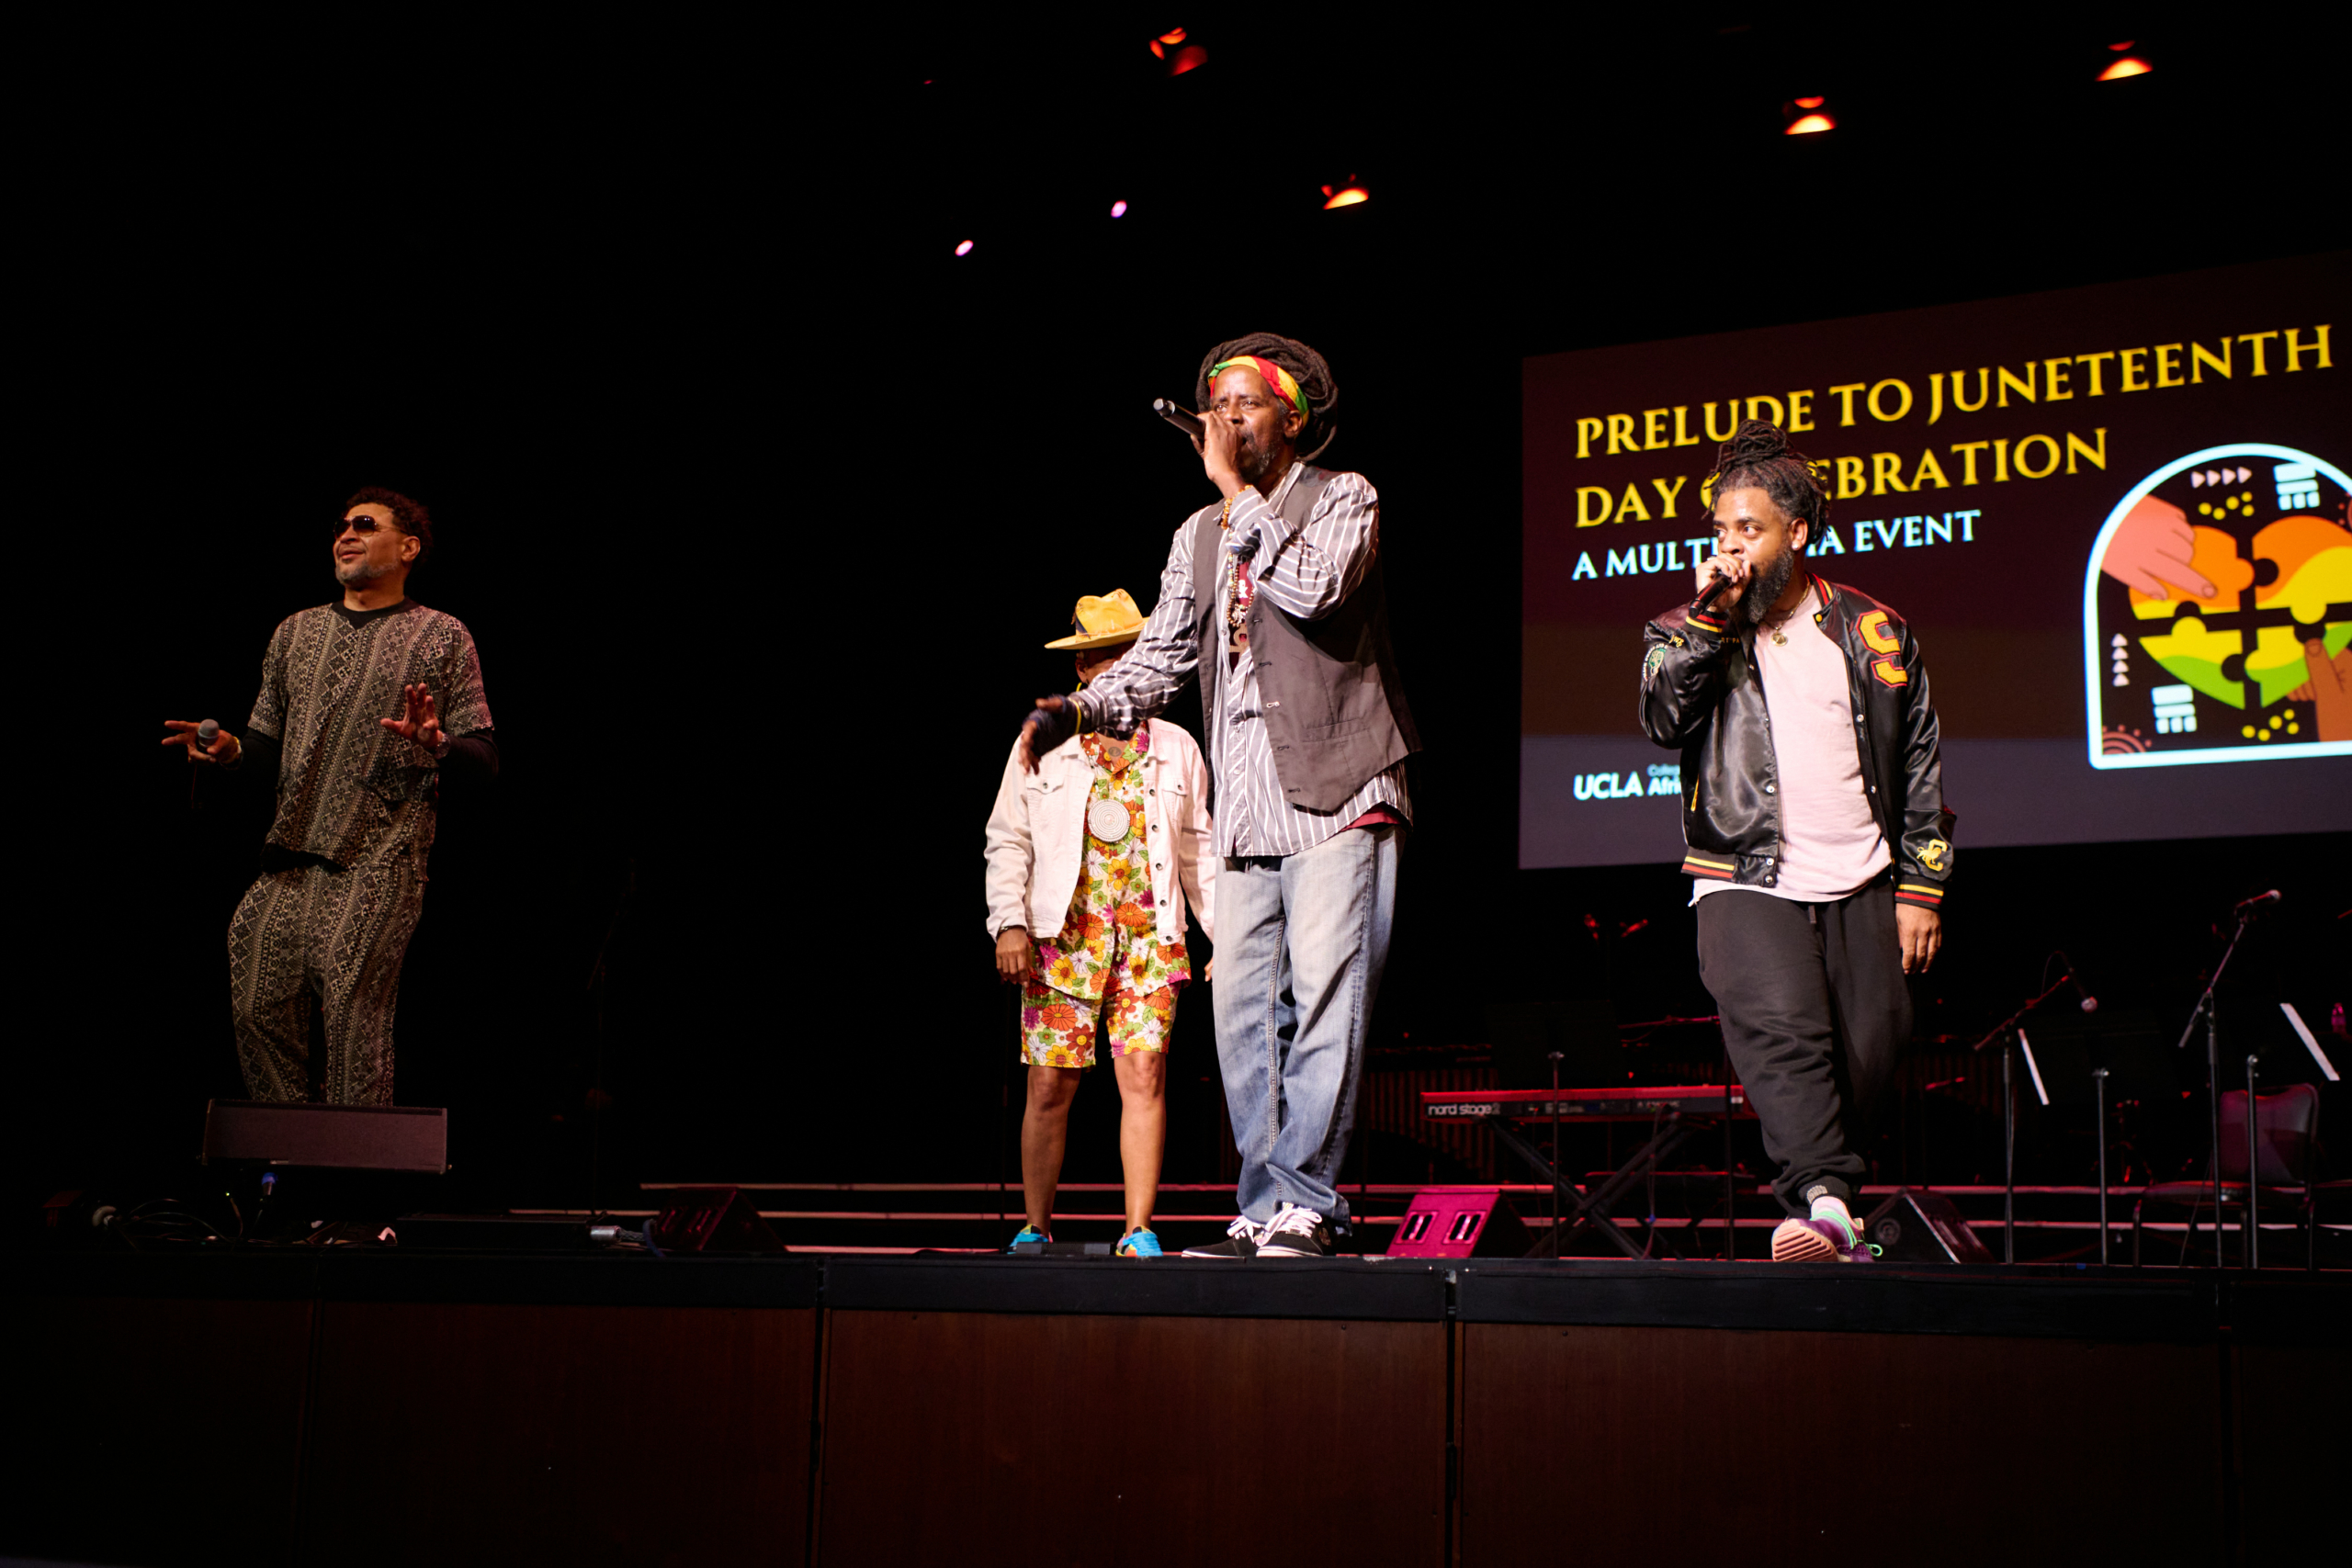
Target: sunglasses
column 362, row 523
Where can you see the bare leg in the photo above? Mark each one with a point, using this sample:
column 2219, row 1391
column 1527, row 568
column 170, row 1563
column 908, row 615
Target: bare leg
column 1044, row 1130
column 1143, row 1128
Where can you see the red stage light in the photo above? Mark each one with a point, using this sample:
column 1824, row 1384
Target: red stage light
column 2119, row 48
column 1118, row 209
column 1345, row 196
column 2127, row 66
column 965, row 249
column 1811, row 103
column 1811, row 124
column 1191, row 57
column 1166, row 41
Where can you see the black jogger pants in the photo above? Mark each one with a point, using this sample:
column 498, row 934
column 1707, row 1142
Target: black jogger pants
column 1815, row 1011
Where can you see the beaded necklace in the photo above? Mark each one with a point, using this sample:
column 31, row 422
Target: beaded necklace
column 1242, row 588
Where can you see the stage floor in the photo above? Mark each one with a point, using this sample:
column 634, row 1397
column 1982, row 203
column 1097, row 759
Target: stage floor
column 361, row 1405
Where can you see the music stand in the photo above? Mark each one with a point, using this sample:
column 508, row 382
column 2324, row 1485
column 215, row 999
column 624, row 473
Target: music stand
column 2083, row 1057
column 2006, row 1035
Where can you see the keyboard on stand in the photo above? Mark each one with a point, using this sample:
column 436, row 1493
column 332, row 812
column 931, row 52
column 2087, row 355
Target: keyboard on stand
column 1679, row 1112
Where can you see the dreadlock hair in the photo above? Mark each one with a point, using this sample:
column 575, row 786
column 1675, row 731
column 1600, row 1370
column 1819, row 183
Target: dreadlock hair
column 1759, row 454
column 1305, row 366
column 408, row 516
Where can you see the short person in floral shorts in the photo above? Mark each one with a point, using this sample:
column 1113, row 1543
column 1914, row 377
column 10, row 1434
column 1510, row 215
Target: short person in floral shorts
column 1113, row 833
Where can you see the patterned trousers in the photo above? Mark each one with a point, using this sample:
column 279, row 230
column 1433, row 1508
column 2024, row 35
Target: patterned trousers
column 338, row 936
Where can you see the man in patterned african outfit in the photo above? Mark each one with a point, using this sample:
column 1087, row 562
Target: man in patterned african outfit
column 363, row 704
column 1101, row 845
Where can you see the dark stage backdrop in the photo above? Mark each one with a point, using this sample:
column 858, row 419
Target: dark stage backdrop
column 760, row 504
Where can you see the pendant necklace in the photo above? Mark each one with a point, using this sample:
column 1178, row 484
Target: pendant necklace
column 1779, row 637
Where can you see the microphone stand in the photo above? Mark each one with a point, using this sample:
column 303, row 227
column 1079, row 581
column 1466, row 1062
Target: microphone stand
column 597, row 1097
column 2206, row 1011
column 2005, row 1033
column 1556, row 1153
column 2253, row 1248
column 2099, row 1088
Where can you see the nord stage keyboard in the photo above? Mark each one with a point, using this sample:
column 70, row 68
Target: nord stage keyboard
column 1628, row 1104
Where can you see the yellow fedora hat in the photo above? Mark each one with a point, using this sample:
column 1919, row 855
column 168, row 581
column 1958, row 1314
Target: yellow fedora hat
column 1112, row 618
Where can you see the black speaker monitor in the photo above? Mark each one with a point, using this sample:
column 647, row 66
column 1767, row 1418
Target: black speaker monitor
column 1922, row 1227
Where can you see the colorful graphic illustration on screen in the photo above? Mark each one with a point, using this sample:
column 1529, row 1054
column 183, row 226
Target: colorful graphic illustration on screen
column 2216, row 613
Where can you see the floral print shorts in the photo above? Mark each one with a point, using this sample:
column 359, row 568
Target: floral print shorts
column 1058, row 1030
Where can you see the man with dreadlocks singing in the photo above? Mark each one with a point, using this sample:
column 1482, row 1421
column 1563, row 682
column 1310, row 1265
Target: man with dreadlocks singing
column 1272, row 596
column 1814, row 816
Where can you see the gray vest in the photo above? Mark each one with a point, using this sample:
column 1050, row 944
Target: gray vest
column 1335, row 709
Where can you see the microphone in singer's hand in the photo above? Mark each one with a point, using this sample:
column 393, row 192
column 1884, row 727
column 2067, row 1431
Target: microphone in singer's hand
column 1182, row 418
column 206, row 734
column 1714, row 586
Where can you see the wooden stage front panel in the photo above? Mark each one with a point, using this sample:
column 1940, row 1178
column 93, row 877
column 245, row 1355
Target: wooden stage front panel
column 986, row 1438
column 1601, row 1445
column 502, row 1433
column 155, row 1429
column 261, row 1407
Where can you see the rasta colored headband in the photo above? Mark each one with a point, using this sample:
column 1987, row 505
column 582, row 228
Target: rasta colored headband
column 1280, row 380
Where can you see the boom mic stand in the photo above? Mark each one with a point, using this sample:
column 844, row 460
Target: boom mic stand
column 2005, row 1033
column 2205, row 1011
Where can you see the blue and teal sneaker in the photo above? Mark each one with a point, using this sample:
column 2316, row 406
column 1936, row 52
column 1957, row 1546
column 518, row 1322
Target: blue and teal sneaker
column 1140, row 1243
column 1031, row 1239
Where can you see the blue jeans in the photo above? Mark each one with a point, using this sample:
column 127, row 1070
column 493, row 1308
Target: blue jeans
column 1301, row 941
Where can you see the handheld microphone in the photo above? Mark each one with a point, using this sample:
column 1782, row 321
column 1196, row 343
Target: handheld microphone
column 1176, row 414
column 2256, row 902
column 1715, row 585
column 206, row 734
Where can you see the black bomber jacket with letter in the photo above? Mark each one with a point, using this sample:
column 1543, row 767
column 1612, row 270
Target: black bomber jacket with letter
column 1702, row 692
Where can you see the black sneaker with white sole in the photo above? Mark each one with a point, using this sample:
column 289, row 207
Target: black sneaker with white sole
column 1295, row 1232
column 1240, row 1241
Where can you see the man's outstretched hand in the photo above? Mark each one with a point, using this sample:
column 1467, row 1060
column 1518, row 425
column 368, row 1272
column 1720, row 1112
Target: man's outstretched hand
column 1920, row 934
column 1051, row 722
column 419, row 722
column 224, row 747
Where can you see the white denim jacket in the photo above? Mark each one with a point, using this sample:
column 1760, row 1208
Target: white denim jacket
column 1036, row 835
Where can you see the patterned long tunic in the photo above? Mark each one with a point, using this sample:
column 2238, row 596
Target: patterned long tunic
column 349, row 791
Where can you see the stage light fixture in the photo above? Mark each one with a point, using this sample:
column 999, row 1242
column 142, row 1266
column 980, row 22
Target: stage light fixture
column 1180, row 60
column 1346, row 194
column 1806, row 116
column 2129, row 65
column 1118, row 209
column 965, row 249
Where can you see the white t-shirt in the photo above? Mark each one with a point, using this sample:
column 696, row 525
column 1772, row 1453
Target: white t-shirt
column 1830, row 841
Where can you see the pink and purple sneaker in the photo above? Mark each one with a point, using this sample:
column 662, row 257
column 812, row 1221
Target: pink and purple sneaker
column 1817, row 1241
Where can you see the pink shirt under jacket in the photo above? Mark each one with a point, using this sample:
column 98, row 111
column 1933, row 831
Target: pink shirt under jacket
column 1037, row 841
